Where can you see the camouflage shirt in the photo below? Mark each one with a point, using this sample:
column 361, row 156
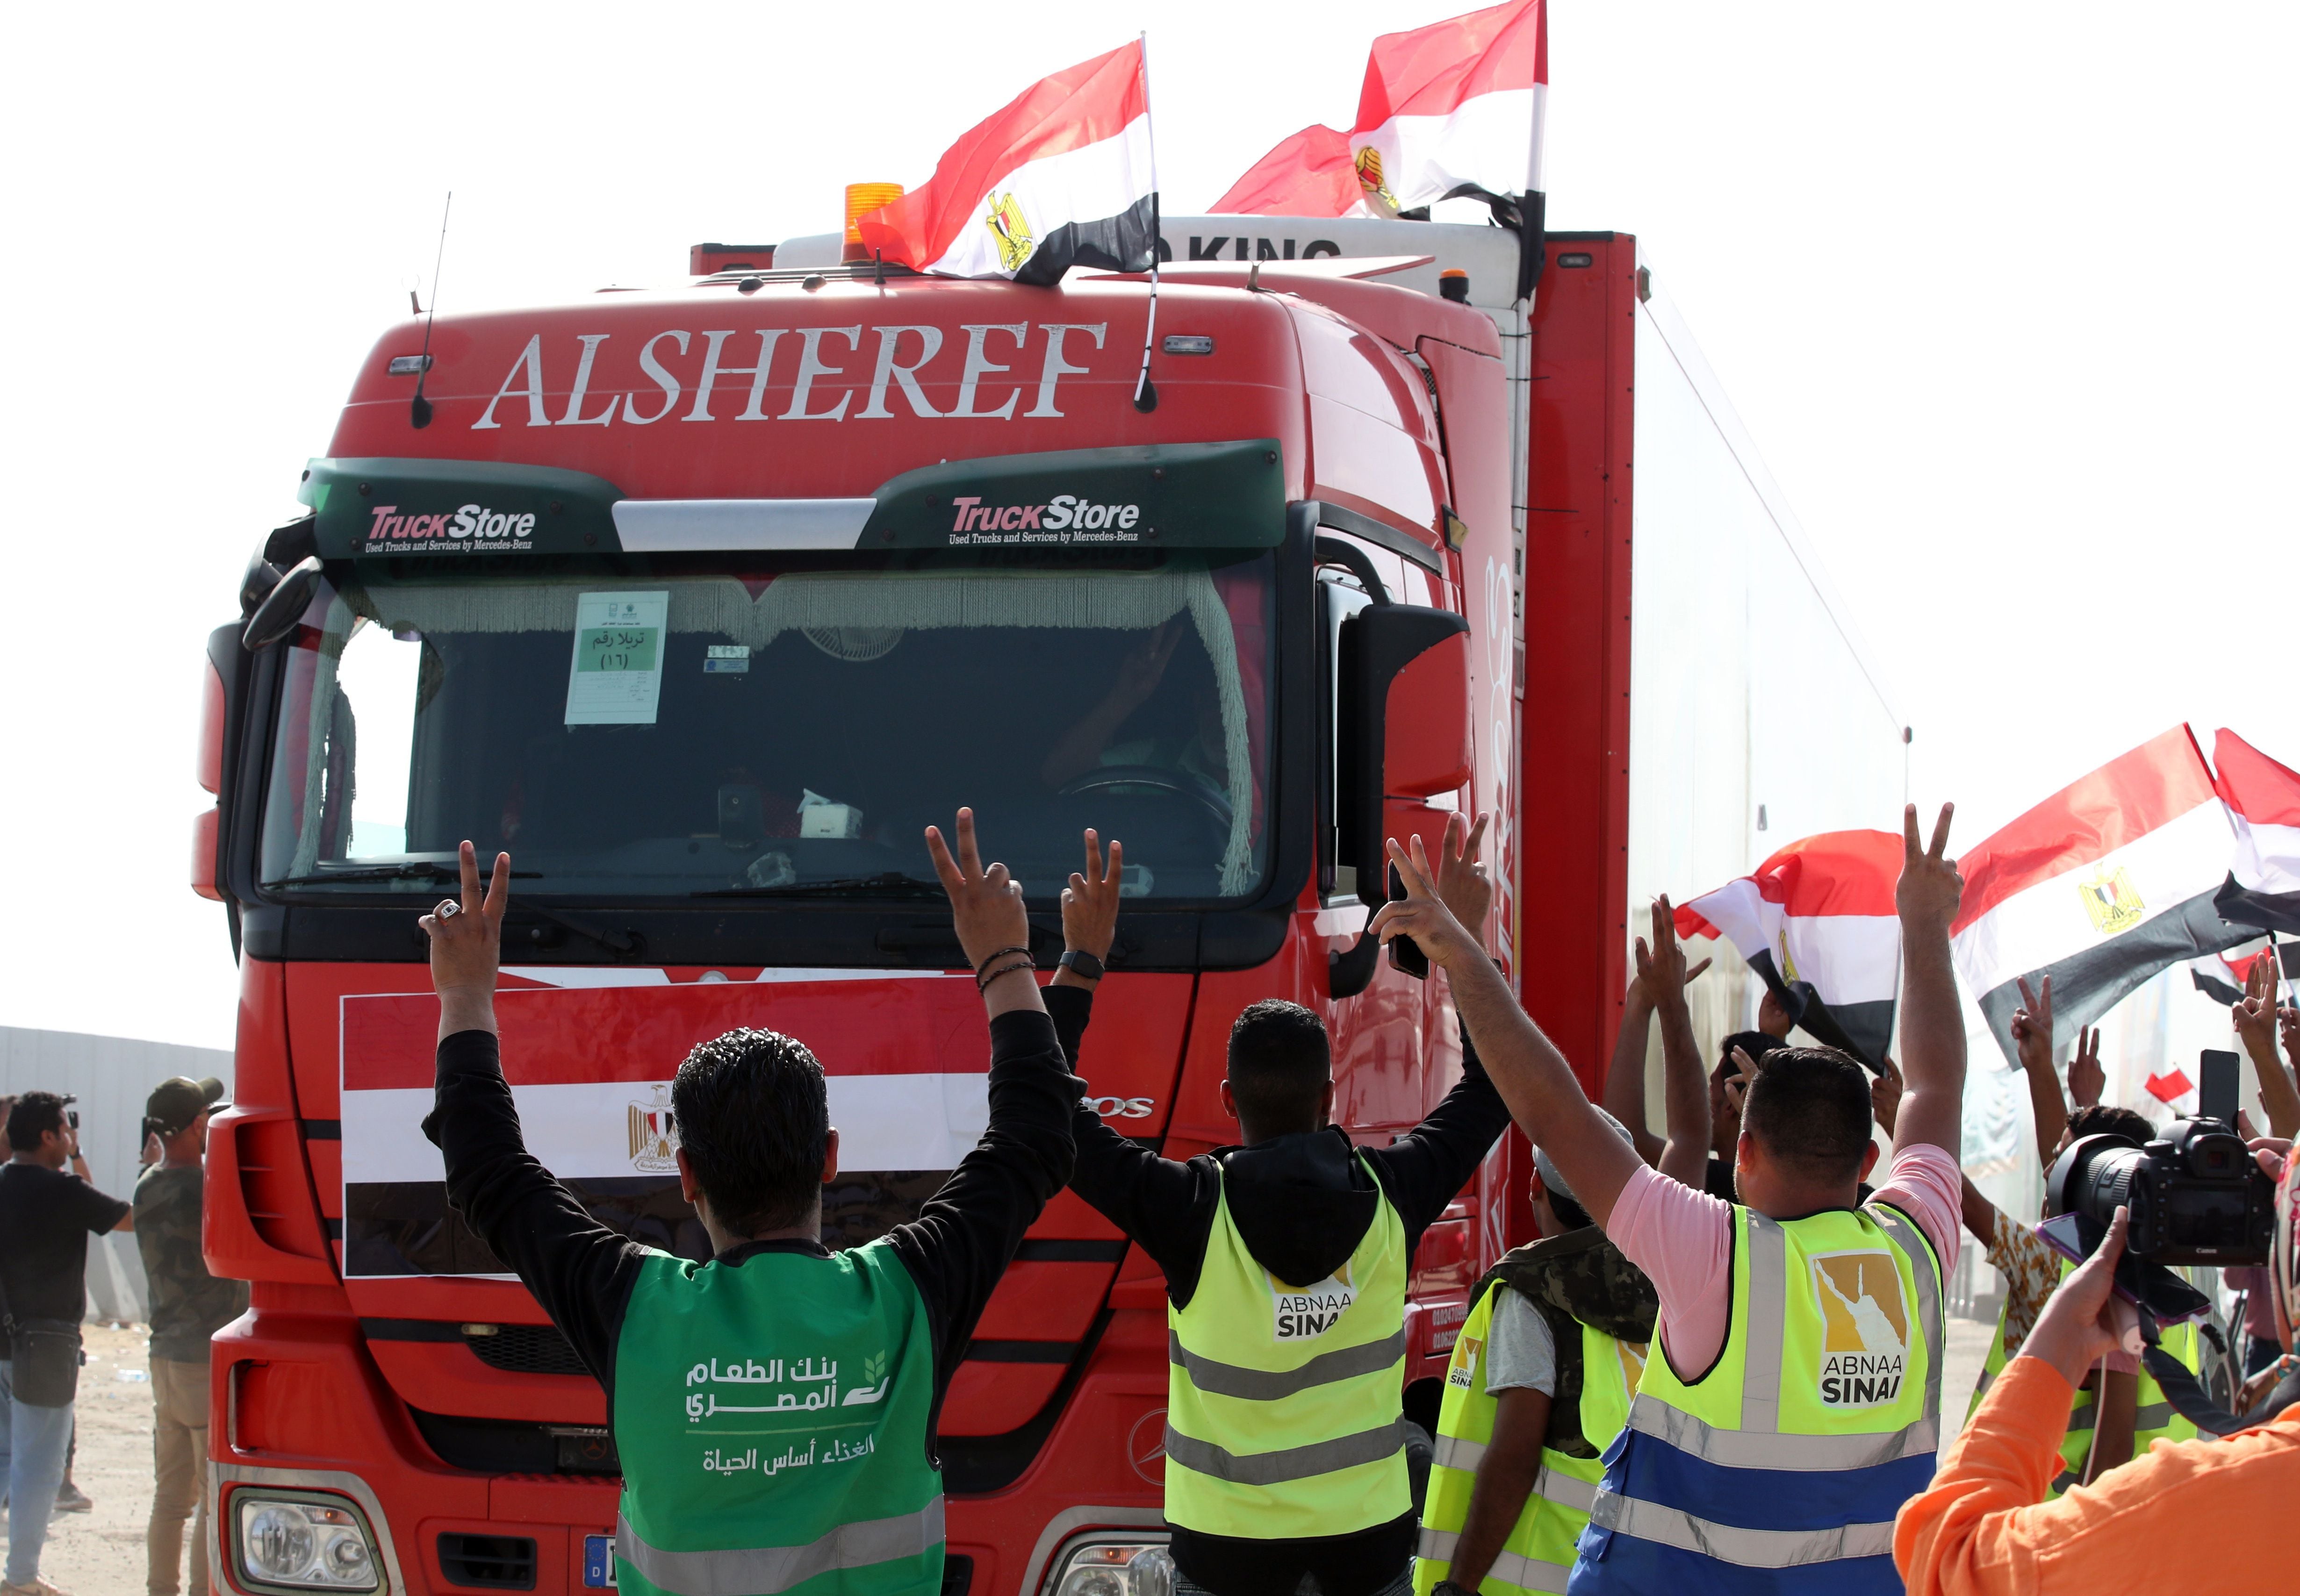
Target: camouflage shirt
column 188, row 1304
column 1576, row 1279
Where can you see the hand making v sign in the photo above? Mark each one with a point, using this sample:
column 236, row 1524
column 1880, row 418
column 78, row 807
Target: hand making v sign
column 466, row 934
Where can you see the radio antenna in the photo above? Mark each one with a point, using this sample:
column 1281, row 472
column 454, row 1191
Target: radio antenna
column 419, row 412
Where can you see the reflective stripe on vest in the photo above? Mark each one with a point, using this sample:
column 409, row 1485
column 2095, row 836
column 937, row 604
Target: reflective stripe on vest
column 1859, row 1424
column 1536, row 1555
column 1510, row 1568
column 765, row 1570
column 1285, row 1403
column 1729, row 1543
column 1452, row 1451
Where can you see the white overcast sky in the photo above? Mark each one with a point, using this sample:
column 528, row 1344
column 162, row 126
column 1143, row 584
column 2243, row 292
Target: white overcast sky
column 1997, row 287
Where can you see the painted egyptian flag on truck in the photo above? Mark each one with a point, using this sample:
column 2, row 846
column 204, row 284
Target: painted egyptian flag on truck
column 2262, row 888
column 2100, row 886
column 1816, row 922
column 905, row 1060
column 1455, row 108
column 1062, row 177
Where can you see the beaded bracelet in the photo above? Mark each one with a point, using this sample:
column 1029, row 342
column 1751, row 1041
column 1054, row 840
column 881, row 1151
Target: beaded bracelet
column 994, row 955
column 982, row 981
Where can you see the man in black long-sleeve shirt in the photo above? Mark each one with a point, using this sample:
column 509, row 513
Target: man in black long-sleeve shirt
column 864, row 1340
column 1286, row 1262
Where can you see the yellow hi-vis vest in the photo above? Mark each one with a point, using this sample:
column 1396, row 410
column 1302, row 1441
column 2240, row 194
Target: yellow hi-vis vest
column 1285, row 1412
column 1538, row 1554
column 1830, row 1373
column 2154, row 1419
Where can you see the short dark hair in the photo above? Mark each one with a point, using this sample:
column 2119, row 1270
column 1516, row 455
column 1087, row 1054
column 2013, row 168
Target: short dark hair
column 2101, row 1118
column 1808, row 1107
column 754, row 1121
column 1279, row 1065
column 1755, row 1044
column 31, row 1117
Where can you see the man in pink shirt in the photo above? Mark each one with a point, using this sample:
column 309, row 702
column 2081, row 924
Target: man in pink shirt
column 1796, row 1403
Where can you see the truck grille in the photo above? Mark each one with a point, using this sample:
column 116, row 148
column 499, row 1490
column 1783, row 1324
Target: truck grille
column 490, row 1562
column 526, row 1350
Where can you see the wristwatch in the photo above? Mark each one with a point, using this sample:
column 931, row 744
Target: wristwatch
column 1079, row 962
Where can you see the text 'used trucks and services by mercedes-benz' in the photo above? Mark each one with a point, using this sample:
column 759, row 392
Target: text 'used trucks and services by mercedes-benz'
column 704, row 601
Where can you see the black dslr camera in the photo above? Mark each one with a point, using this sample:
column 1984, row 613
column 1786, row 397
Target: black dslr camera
column 2194, row 1195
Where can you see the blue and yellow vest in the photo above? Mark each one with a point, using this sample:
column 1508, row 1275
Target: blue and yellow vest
column 1779, row 1469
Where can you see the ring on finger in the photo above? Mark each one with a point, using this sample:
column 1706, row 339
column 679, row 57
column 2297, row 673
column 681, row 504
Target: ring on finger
column 449, row 909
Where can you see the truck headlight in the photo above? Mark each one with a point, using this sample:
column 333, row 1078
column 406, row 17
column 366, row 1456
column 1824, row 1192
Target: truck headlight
column 302, row 1541
column 1114, row 1567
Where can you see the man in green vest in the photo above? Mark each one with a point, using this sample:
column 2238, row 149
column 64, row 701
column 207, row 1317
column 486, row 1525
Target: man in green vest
column 1793, row 1403
column 774, row 1409
column 1542, row 1371
column 1286, row 1260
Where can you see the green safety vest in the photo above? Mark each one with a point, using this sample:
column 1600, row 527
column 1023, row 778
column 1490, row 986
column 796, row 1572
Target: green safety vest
column 1285, row 1413
column 2153, row 1420
column 1538, row 1554
column 772, row 1419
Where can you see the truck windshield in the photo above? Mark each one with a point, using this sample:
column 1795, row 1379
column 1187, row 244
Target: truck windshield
column 713, row 728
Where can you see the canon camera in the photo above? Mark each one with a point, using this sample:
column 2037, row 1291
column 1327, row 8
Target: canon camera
column 2194, row 1195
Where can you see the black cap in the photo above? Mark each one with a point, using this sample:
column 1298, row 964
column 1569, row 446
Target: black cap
column 178, row 1100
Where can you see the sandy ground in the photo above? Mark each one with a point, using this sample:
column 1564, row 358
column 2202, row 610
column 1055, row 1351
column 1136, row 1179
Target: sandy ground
column 101, row 1553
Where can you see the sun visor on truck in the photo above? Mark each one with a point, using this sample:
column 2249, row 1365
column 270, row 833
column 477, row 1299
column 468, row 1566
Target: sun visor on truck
column 1229, row 495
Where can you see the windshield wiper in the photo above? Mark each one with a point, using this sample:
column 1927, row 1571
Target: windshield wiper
column 891, row 883
column 416, row 869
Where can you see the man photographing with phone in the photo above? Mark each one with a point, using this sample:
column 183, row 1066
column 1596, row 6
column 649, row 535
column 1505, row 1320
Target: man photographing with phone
column 45, row 1218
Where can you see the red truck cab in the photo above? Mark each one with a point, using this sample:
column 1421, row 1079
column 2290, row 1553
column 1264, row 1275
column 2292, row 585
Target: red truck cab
column 703, row 602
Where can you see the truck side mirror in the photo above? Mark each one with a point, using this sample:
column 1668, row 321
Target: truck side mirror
column 1427, row 749
column 1420, row 658
column 282, row 607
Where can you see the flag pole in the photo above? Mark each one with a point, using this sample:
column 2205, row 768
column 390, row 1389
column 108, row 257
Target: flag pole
column 1145, row 396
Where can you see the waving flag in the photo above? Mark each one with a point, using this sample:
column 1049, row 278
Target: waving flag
column 1308, row 174
column 1062, row 177
column 1455, row 108
column 1816, row 921
column 2263, row 799
column 1452, row 109
column 2222, row 977
column 2100, row 886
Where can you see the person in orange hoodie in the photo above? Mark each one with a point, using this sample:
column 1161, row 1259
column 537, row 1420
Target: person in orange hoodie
column 2189, row 1511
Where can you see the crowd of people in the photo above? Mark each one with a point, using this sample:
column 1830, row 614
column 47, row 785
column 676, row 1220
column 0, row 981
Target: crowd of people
column 1719, row 1368
column 49, row 1206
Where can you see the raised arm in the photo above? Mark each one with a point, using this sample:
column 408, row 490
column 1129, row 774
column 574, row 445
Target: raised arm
column 580, row 1271
column 1684, row 1103
column 1624, row 1094
column 2255, row 1018
column 1933, row 1028
column 2032, row 1040
column 1531, row 1076
column 1426, row 1169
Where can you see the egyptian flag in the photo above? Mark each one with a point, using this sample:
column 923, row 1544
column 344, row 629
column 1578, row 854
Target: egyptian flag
column 2221, row 977
column 1062, row 177
column 1307, row 174
column 589, row 1065
column 1817, row 922
column 2263, row 800
column 2100, row 886
column 1455, row 108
